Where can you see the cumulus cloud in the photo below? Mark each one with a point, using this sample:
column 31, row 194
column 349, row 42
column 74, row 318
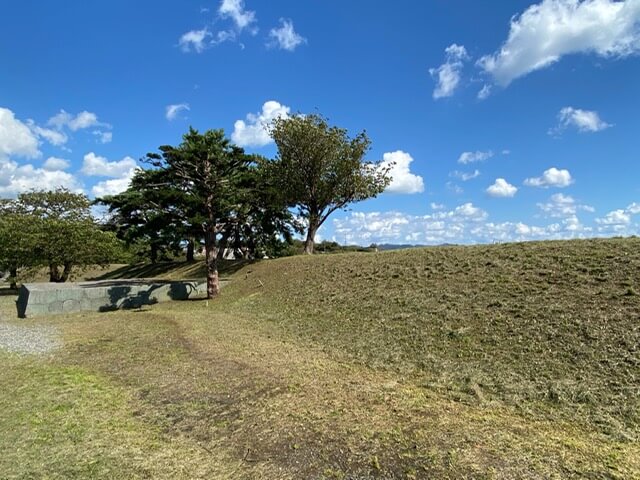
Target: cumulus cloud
column 285, row 37
column 633, row 208
column 547, row 31
column 464, row 224
column 403, row 181
column 615, row 217
column 52, row 164
column 447, row 75
column 235, row 10
column 501, row 188
column 552, row 177
column 97, row 166
column 76, row 122
column 16, row 138
column 194, row 40
column 113, row 186
column 172, row 111
column 465, row 176
column 582, row 120
column 472, row 157
column 254, row 132
column 15, row 179
column 120, row 172
column 563, row 206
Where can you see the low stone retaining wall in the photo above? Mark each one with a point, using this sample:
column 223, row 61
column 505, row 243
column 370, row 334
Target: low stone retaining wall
column 36, row 299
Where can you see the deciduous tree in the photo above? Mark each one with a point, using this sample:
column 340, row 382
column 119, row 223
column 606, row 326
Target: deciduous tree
column 321, row 169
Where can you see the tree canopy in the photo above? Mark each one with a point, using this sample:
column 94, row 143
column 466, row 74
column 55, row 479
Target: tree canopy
column 53, row 229
column 321, row 169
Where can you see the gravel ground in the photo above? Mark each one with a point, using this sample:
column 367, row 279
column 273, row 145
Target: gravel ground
column 30, row 340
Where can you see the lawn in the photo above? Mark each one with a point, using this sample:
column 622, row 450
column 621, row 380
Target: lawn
column 503, row 361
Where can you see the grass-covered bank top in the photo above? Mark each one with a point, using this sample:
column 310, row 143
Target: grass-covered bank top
column 555, row 325
column 504, row 361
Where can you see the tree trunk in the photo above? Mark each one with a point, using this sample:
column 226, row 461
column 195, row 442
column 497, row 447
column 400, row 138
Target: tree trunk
column 191, row 250
column 54, row 274
column 66, row 273
column 309, row 243
column 154, row 253
column 211, row 252
column 13, row 275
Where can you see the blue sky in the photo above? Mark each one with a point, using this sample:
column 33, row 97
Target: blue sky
column 506, row 120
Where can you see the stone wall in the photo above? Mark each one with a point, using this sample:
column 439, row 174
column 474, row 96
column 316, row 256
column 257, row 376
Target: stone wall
column 36, row 299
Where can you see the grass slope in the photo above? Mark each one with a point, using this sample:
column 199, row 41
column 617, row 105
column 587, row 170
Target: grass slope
column 505, row 361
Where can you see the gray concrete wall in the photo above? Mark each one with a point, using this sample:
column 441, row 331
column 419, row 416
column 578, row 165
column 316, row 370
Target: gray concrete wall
column 36, row 299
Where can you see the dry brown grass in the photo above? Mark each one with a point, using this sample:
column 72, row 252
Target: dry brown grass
column 514, row 361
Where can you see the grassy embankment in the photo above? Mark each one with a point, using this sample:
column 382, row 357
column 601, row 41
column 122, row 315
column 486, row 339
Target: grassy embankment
column 504, row 361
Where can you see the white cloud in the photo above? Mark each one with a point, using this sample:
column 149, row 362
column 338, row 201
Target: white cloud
column 464, row 224
column 54, row 137
column 254, row 132
column 16, row 138
column 97, row 166
column 103, row 137
column 74, row 123
column 436, row 206
column 172, row 111
column 112, row 186
column 484, row 92
column 194, row 40
column 563, row 206
column 477, row 156
column 501, row 188
column 454, row 188
column 15, row 179
column 552, row 177
column 403, row 181
column 583, row 120
column 465, row 176
column 52, row 164
column 547, row 31
column 447, row 75
column 615, row 217
column 633, row 209
column 235, row 10
column 285, row 37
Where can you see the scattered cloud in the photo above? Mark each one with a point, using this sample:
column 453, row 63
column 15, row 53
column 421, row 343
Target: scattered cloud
column 484, row 92
column 501, row 189
column 403, row 181
column 634, row 208
column 172, row 111
column 76, row 122
column 241, row 17
column 551, row 29
column 615, row 217
column 464, row 224
column 54, row 137
column 285, row 37
column 582, row 120
column 563, row 206
column 436, row 206
column 465, row 176
column 194, row 40
column 454, row 188
column 552, row 177
column 16, row 138
column 472, row 157
column 52, row 164
column 447, row 75
column 113, row 186
column 15, row 179
column 120, row 172
column 254, row 132
column 96, row 166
